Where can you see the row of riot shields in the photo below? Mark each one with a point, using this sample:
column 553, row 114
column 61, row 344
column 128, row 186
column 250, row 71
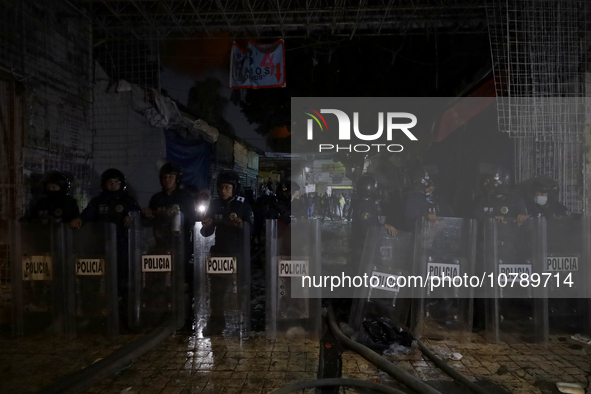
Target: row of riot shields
column 223, row 282
column 79, row 281
column 528, row 276
column 408, row 268
column 72, row 281
column 68, row 281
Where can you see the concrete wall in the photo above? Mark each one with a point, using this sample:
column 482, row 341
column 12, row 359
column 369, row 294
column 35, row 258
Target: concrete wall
column 124, row 139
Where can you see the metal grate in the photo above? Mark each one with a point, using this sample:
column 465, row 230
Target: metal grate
column 136, row 61
column 539, row 51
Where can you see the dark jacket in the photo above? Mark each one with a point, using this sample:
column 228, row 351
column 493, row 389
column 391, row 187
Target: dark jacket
column 163, row 202
column 58, row 207
column 510, row 204
column 364, row 214
column 418, row 204
column 227, row 235
column 551, row 210
column 110, row 207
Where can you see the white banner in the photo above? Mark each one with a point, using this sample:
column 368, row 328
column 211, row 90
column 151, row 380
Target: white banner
column 258, row 65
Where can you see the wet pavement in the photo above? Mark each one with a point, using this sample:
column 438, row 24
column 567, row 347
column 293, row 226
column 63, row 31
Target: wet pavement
column 29, row 364
column 184, row 364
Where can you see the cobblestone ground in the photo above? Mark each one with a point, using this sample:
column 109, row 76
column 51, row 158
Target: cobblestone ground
column 186, row 365
column 183, row 364
column 29, row 364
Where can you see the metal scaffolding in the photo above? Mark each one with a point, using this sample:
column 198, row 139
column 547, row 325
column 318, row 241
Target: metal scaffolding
column 539, row 51
column 256, row 19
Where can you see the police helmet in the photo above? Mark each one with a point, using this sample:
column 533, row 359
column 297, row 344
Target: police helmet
column 171, row 168
column 113, row 173
column 366, row 186
column 230, row 177
column 293, row 187
column 498, row 181
column 57, row 178
column 422, row 180
column 545, row 184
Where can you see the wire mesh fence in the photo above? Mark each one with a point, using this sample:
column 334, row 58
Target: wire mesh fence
column 540, row 51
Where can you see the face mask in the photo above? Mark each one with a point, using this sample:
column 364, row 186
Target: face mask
column 541, row 200
column 52, row 193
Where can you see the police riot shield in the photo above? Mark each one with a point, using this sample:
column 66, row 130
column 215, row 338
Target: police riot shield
column 444, row 255
column 38, row 276
column 389, row 259
column 292, row 252
column 92, row 276
column 516, row 303
column 222, row 284
column 157, row 261
column 567, row 266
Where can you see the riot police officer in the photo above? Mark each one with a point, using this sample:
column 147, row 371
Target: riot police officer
column 280, row 207
column 113, row 204
column 423, row 201
column 500, row 201
column 162, row 210
column 226, row 216
column 55, row 202
column 365, row 210
column 164, row 204
column 543, row 199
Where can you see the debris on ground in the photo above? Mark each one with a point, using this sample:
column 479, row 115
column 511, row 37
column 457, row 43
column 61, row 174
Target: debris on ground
column 570, row 388
column 580, row 338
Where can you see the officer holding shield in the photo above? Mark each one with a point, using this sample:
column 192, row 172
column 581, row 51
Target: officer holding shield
column 543, row 199
column 55, row 202
column 423, row 201
column 113, row 205
column 227, row 217
column 164, row 204
column 500, row 202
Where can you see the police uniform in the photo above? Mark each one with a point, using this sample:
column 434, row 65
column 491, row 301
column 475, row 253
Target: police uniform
column 419, row 204
column 510, row 204
column 111, row 207
column 229, row 242
column 550, row 210
column 59, row 207
column 227, row 234
column 162, row 202
column 364, row 215
column 114, row 207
